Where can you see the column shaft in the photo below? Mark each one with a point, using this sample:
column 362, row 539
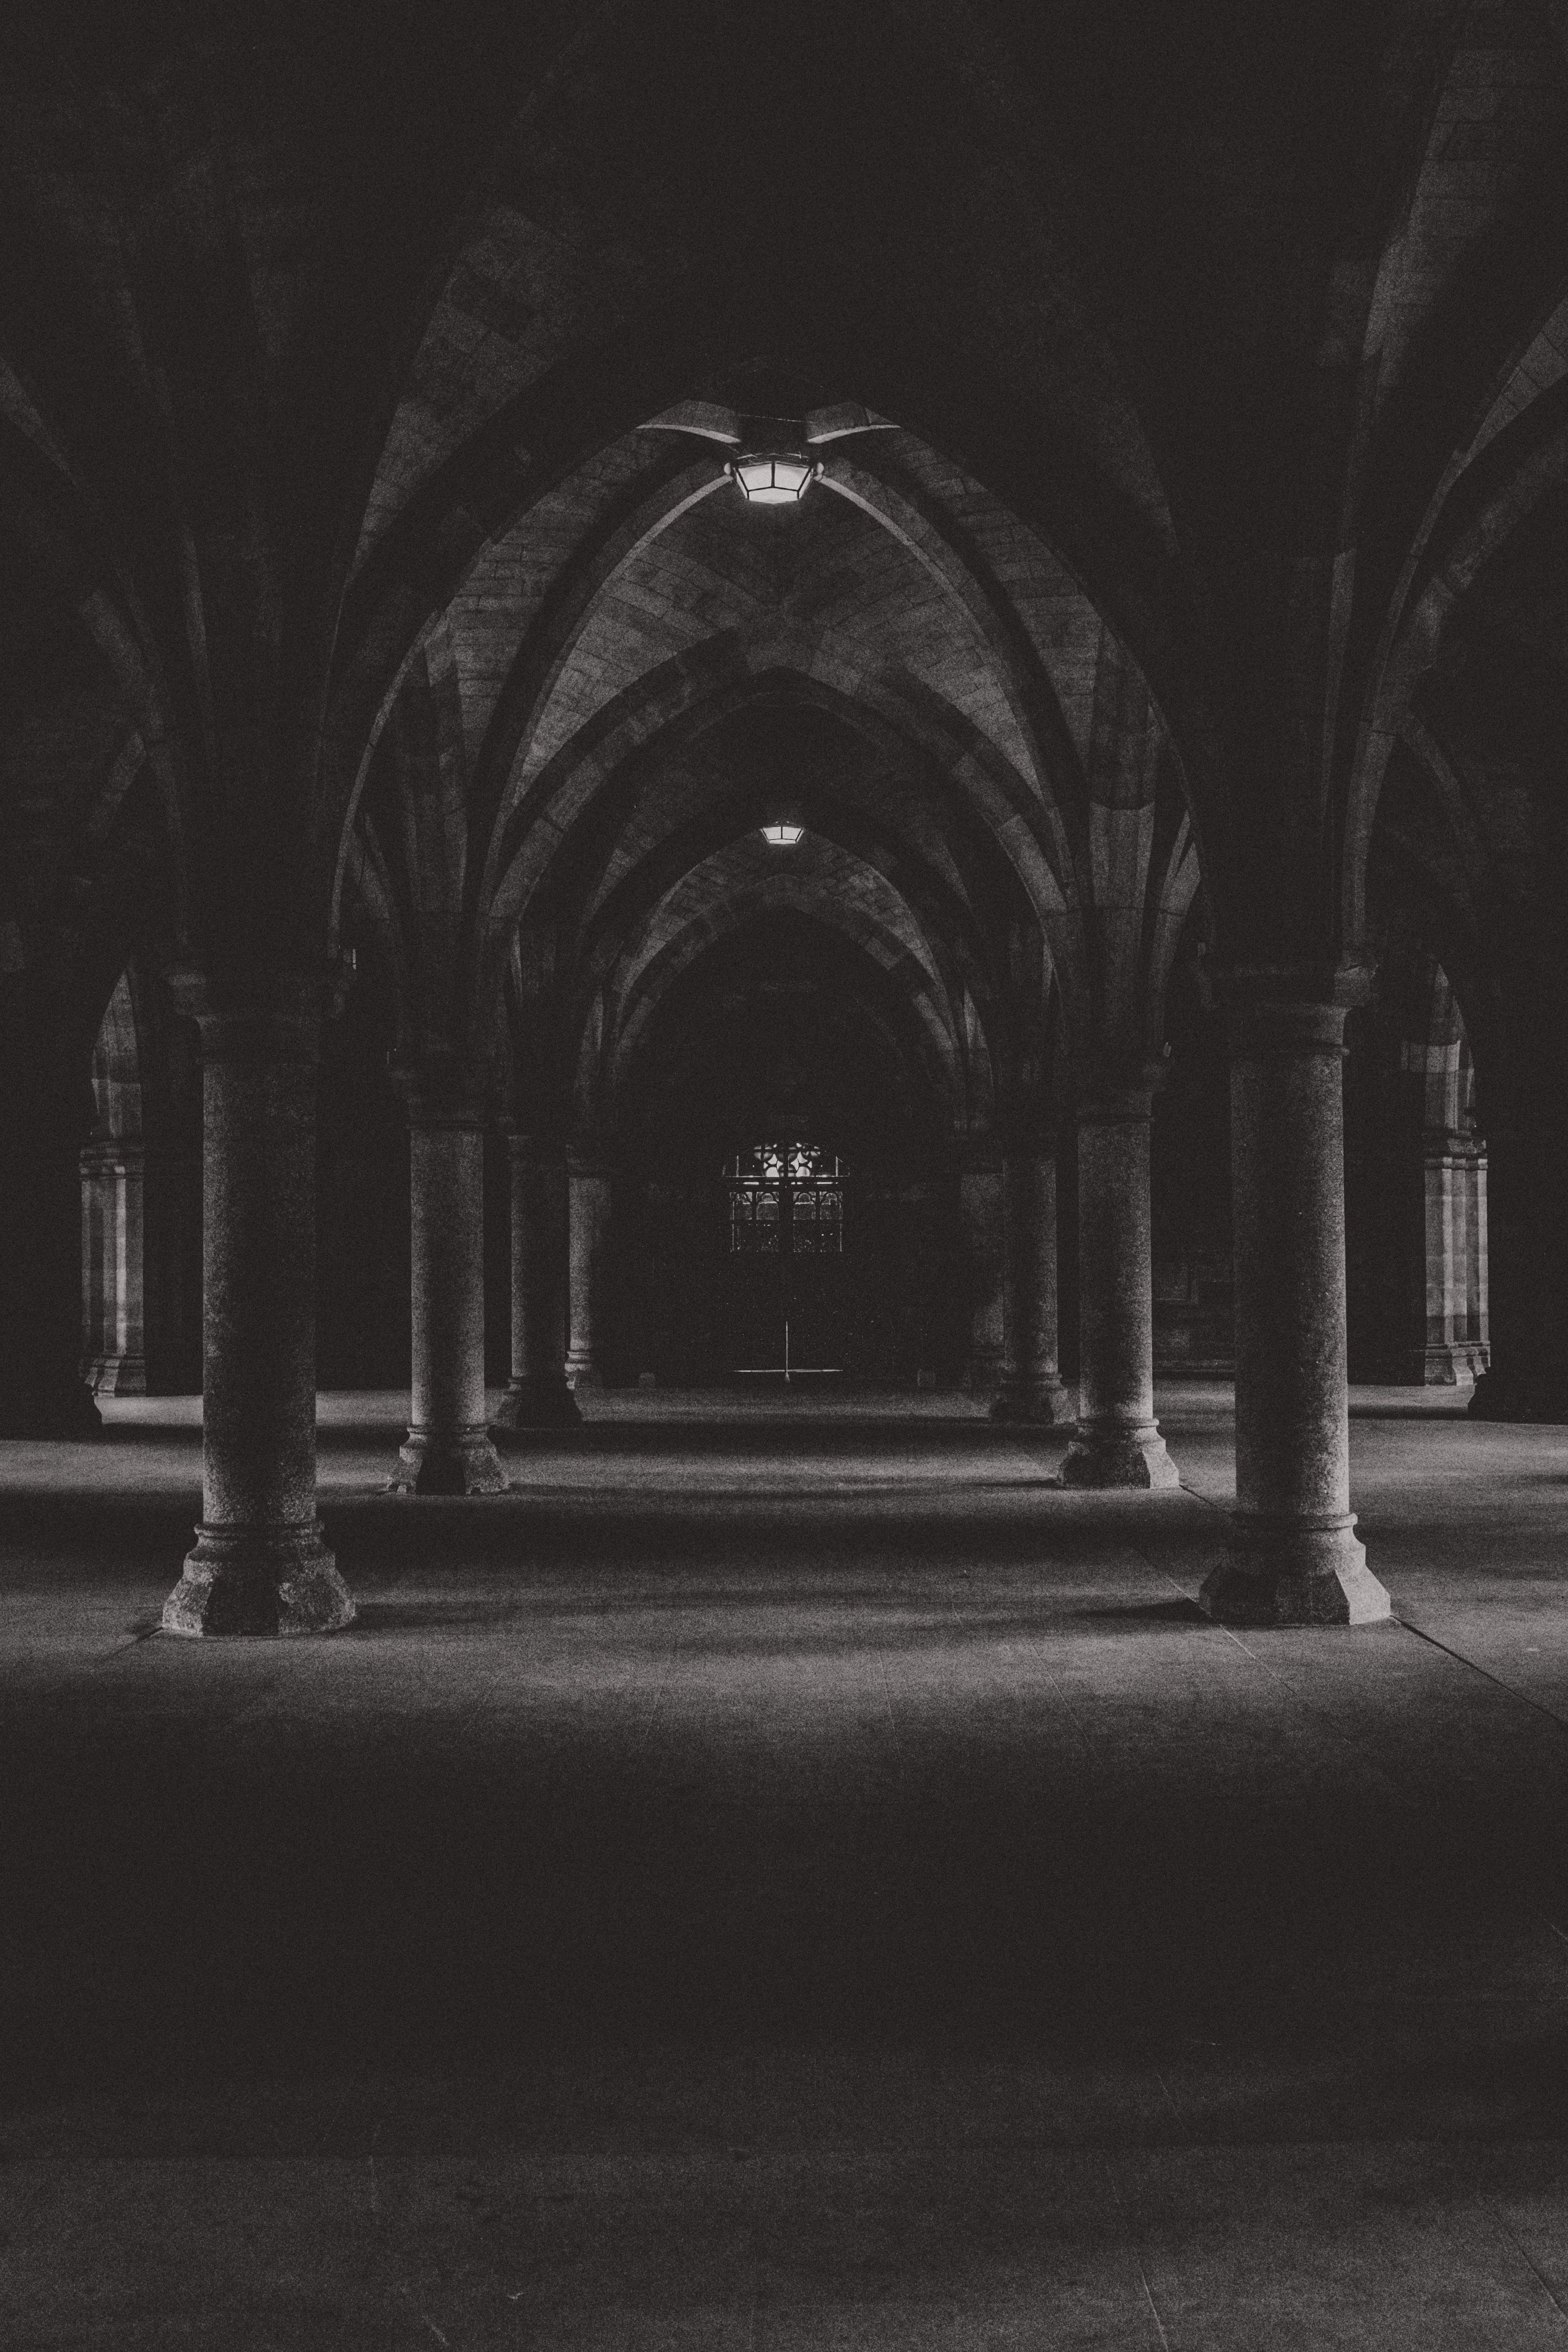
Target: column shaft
column 1031, row 1387
column 1116, row 1442
column 981, row 1223
column 261, row 1564
column 171, row 1271
column 1456, row 1172
column 590, row 1223
column 1476, row 1319
column 1442, row 1349
column 538, row 1396
column 1294, row 1558
column 1523, row 1237
column 448, row 1449
column 45, row 1103
column 112, row 1194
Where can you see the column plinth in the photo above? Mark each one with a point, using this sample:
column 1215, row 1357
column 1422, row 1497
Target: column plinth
column 435, row 1460
column 260, row 1563
column 259, row 1579
column 1117, row 1440
column 1031, row 1391
column 1035, row 1400
column 448, row 1449
column 537, row 1395
column 537, row 1401
column 1293, row 1557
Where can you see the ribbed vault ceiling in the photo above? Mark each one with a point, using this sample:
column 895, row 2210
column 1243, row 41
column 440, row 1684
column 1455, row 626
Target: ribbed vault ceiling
column 359, row 566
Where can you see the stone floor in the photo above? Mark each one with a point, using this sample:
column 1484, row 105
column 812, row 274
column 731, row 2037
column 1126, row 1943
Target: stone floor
column 784, row 1877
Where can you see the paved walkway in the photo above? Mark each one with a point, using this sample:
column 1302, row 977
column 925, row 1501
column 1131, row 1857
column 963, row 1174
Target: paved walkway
column 788, row 1879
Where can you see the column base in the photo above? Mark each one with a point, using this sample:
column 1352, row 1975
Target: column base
column 1037, row 1401
column 1440, row 1367
column 582, row 1374
column 1449, row 1367
column 539, row 1400
column 1528, row 1396
column 116, row 1376
column 258, row 1581
column 448, row 1462
column 1294, row 1572
column 1118, row 1454
column 67, row 1411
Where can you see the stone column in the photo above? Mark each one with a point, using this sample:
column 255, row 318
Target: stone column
column 1116, row 1442
column 1522, row 1110
column 45, row 1117
column 171, row 1270
column 1293, row 1556
column 136, row 1205
column 261, row 1564
column 538, row 1396
column 448, row 1449
column 589, row 1216
column 980, row 1219
column 1454, row 1198
column 1031, row 1387
column 112, row 1193
column 1477, row 1329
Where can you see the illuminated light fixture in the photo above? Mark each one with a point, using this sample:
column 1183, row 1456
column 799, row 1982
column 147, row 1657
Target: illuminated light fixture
column 783, row 837
column 773, row 478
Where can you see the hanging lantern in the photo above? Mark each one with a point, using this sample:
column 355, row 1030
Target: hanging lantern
column 783, row 837
column 779, row 477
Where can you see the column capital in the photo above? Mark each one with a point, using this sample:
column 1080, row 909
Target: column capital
column 979, row 1155
column 1038, row 1143
column 1295, row 1008
column 253, row 1015
column 1111, row 1087
column 1028, row 1117
column 443, row 1090
column 1452, row 1143
column 105, row 1155
column 529, row 1147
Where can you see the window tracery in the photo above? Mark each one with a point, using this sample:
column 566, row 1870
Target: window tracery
column 786, row 1200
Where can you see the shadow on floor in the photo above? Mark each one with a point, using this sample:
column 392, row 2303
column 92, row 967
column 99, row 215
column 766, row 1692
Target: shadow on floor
column 1146, row 1612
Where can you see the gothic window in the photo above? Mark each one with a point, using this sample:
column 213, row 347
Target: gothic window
column 786, row 1200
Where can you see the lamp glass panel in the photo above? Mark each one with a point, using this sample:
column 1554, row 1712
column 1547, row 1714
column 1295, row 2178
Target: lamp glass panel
column 774, row 481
